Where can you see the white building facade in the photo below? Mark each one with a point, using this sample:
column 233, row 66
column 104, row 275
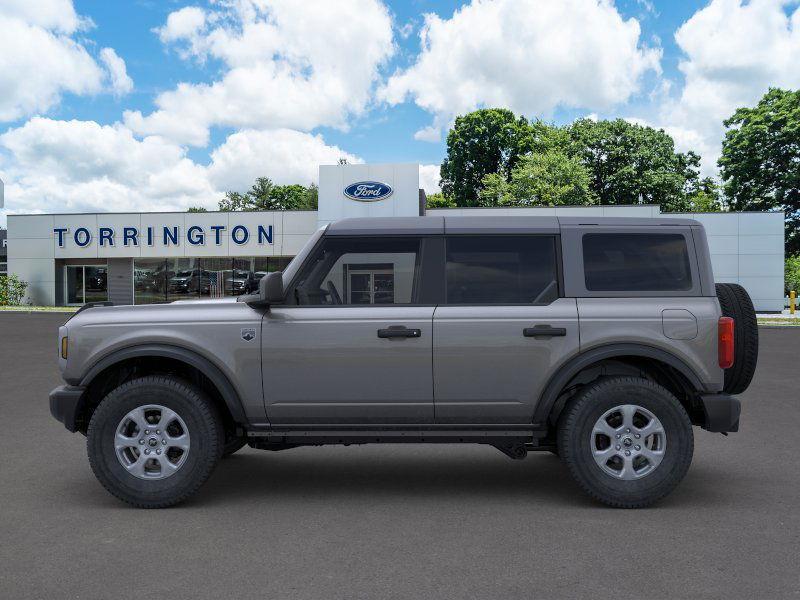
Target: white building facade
column 137, row 258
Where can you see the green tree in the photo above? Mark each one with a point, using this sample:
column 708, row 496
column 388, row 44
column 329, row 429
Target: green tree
column 439, row 200
column 312, row 197
column 12, row 290
column 288, row 197
column 760, row 162
column 705, row 196
column 234, row 201
column 485, row 141
column 548, row 179
column 197, row 209
column 791, row 276
column 627, row 161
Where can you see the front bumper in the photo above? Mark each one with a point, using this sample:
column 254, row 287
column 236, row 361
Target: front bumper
column 721, row 412
column 66, row 402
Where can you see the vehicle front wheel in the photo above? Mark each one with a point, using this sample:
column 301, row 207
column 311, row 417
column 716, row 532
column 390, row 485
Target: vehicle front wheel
column 153, row 441
column 627, row 441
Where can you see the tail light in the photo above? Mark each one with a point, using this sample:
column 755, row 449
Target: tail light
column 725, row 342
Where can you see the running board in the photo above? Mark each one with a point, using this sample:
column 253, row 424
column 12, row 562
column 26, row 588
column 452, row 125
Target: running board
column 398, row 434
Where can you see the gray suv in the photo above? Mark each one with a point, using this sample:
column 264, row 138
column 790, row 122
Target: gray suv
column 601, row 340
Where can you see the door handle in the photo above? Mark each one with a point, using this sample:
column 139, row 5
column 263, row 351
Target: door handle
column 399, row 331
column 544, row 331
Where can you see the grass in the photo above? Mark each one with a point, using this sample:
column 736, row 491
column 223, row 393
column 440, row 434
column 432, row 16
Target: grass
column 24, row 308
column 779, row 322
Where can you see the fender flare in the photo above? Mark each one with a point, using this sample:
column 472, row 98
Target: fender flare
column 576, row 364
column 229, row 394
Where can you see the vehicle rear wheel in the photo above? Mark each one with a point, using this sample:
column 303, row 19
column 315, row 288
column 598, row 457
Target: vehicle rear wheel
column 735, row 302
column 153, row 441
column 627, row 441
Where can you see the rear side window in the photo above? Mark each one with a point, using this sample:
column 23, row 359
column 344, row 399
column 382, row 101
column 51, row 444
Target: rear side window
column 643, row 262
column 501, row 270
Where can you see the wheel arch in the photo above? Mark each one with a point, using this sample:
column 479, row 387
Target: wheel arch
column 636, row 355
column 168, row 356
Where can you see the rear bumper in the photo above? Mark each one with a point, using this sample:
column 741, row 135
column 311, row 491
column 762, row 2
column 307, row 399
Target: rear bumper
column 721, row 411
column 65, row 404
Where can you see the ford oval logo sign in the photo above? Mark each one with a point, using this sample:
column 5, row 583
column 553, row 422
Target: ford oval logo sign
column 368, row 191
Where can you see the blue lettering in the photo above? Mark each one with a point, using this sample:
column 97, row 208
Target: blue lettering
column 149, row 236
column 82, row 237
column 264, row 234
column 171, row 235
column 216, row 229
column 130, row 234
column 106, row 235
column 195, row 235
column 59, row 231
column 245, row 234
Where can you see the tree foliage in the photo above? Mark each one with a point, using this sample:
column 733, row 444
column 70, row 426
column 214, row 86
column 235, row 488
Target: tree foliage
column 439, row 200
column 627, row 161
column 12, row 290
column 485, row 141
column 265, row 195
column 791, row 276
column 548, row 179
column 760, row 162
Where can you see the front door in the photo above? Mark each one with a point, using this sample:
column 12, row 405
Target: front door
column 501, row 330
column 354, row 343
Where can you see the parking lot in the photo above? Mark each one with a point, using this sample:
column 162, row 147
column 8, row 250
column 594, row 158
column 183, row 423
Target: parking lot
column 396, row 521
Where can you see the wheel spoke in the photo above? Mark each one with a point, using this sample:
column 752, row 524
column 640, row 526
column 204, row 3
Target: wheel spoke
column 627, row 471
column 654, row 457
column 137, row 468
column 628, row 410
column 602, row 457
column 167, row 416
column 604, row 428
column 180, row 441
column 137, row 416
column 652, row 427
column 167, row 467
column 123, row 441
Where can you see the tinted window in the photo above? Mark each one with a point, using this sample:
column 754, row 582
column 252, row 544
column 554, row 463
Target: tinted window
column 641, row 262
column 501, row 270
column 361, row 271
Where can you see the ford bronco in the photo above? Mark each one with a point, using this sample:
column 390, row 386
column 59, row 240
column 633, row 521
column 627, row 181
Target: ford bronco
column 602, row 340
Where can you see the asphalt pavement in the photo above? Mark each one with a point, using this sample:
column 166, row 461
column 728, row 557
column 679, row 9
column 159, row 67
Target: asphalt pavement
column 396, row 521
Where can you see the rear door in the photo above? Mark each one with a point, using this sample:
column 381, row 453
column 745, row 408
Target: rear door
column 502, row 328
column 356, row 346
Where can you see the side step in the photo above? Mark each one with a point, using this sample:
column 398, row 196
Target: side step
column 512, row 440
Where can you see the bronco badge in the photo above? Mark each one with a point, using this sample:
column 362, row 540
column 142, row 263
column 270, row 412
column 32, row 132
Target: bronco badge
column 248, row 335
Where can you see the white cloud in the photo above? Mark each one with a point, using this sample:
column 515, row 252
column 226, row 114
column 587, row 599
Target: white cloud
column 287, row 64
column 283, row 155
column 121, row 83
column 73, row 166
column 734, row 51
column 183, row 24
column 429, row 178
column 40, row 58
column 527, row 55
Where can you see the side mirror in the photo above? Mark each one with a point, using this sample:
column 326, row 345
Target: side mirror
column 270, row 291
column 270, row 288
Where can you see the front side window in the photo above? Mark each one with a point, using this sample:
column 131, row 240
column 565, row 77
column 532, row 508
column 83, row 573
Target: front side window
column 637, row 262
column 361, row 271
column 501, row 270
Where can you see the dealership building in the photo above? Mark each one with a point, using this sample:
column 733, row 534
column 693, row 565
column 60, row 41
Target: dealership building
column 140, row 258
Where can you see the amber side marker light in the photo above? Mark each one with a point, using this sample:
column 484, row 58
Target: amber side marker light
column 725, row 342
column 64, row 345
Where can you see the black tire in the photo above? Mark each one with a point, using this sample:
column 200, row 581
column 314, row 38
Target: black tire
column 735, row 303
column 203, row 424
column 575, row 428
column 232, row 445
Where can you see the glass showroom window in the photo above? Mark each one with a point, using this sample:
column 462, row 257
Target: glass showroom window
column 86, row 283
column 149, row 280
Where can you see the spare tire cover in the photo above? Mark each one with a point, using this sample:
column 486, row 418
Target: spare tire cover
column 735, row 303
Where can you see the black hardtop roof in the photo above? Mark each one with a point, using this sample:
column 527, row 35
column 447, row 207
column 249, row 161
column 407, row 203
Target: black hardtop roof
column 500, row 224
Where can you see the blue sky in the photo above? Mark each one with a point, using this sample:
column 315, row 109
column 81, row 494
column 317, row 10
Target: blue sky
column 148, row 105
